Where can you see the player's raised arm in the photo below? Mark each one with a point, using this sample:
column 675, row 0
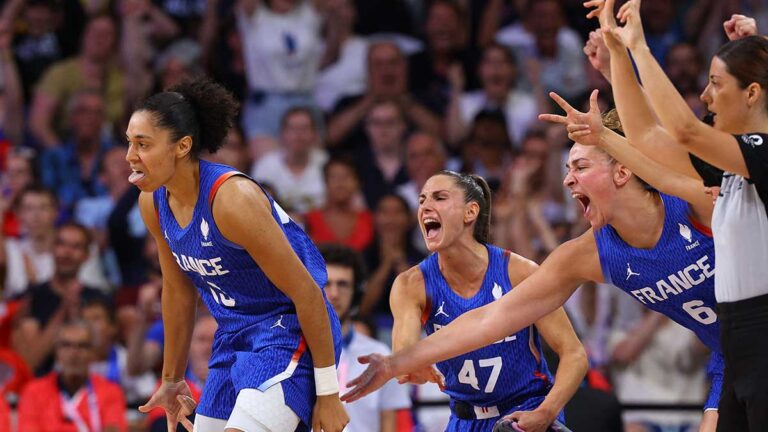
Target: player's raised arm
column 244, row 215
column 179, row 305
column 715, row 146
column 543, row 292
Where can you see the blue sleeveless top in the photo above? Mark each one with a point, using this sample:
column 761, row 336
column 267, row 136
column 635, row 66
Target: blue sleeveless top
column 674, row 278
column 509, row 371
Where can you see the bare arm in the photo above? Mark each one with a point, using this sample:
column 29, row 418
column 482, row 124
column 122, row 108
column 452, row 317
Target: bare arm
column 343, row 122
column 716, row 147
column 558, row 332
column 240, row 202
column 388, row 420
column 489, row 22
column 41, row 116
column 637, row 340
column 13, row 123
column 455, row 126
column 408, row 300
column 179, row 299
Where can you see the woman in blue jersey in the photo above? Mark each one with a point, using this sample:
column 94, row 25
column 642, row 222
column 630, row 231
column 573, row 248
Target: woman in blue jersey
column 220, row 237
column 508, row 376
column 652, row 245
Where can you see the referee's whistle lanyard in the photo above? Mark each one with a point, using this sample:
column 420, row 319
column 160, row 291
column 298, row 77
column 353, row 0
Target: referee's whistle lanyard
column 69, row 408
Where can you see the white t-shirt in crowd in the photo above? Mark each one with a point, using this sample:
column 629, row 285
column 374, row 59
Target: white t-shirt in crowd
column 16, row 277
column 365, row 413
column 298, row 193
column 281, row 51
column 346, row 77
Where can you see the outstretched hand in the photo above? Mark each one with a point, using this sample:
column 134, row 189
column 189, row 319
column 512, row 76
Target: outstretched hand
column 176, row 399
column 378, row 372
column 584, row 128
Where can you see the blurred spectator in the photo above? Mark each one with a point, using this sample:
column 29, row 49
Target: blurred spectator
column 658, row 361
column 109, row 357
column 391, row 253
column 375, row 412
column 685, row 68
column 94, row 212
column 341, row 219
column 347, row 75
column 37, row 44
column 186, row 13
column 72, row 168
column 54, row 301
column 661, row 30
column 487, row 150
column 71, row 399
column 11, row 95
column 283, row 52
column 387, row 79
column 544, row 36
column 296, row 168
column 5, row 415
column 446, row 33
column 14, row 372
column 424, row 157
column 30, row 259
column 233, row 152
column 18, row 174
column 499, row 91
column 384, row 16
column 381, row 163
column 94, row 68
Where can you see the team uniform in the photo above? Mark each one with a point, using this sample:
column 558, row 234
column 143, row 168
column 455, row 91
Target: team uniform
column 495, row 380
column 740, row 223
column 674, row 278
column 259, row 342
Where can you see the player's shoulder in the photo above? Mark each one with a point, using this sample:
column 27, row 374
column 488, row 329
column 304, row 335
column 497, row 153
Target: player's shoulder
column 237, row 194
column 519, row 267
column 411, row 278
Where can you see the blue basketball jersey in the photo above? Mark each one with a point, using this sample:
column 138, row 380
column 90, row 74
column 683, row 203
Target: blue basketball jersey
column 259, row 341
column 674, row 278
column 508, row 372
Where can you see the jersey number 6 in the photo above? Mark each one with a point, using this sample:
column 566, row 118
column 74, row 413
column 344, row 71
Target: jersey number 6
column 699, row 312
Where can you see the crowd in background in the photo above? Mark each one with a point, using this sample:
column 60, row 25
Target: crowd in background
column 347, row 108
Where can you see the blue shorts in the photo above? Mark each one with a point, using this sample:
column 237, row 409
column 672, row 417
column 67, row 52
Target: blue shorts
column 257, row 358
column 456, row 424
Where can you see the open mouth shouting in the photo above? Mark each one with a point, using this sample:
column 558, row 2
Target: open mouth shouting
column 432, row 228
column 584, row 201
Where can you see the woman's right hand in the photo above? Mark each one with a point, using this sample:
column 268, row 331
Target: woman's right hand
column 176, row 399
column 378, row 372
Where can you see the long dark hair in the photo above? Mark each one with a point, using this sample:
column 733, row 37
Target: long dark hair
column 747, row 60
column 475, row 189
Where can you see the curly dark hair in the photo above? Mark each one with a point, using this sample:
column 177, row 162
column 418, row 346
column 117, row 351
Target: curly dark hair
column 201, row 109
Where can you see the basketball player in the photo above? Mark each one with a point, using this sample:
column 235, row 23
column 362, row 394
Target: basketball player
column 257, row 272
column 509, row 375
column 737, row 97
column 649, row 244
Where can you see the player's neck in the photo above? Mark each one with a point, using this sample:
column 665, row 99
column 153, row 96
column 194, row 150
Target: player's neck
column 184, row 187
column 640, row 222
column 464, row 264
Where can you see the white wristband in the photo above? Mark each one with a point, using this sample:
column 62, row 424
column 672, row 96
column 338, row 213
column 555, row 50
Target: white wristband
column 326, row 382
